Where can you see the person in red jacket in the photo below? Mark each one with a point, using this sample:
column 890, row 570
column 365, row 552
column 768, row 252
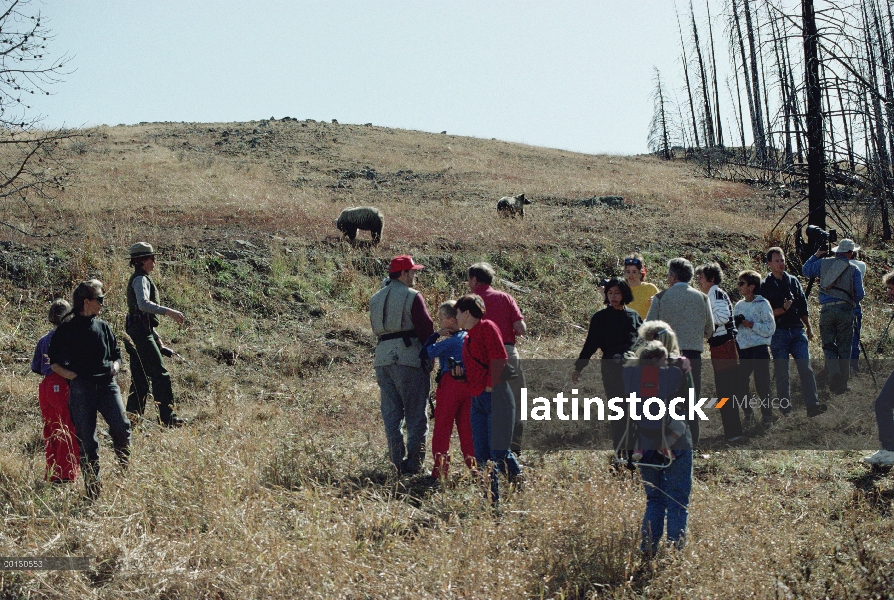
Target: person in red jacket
column 493, row 405
column 60, row 443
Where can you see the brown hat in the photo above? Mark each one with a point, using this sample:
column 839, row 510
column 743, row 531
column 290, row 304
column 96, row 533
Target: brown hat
column 141, row 249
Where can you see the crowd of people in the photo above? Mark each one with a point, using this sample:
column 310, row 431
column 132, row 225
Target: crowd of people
column 649, row 341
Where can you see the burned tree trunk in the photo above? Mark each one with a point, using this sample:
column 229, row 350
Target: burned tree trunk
column 688, row 86
column 706, row 99
column 816, row 174
column 719, row 127
column 760, row 139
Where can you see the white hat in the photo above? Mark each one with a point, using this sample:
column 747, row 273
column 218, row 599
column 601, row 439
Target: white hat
column 846, row 245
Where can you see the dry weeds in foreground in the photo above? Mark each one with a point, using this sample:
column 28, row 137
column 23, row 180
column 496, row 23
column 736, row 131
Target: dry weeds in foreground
column 281, row 488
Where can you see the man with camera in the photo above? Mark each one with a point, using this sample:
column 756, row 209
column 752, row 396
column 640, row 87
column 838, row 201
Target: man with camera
column 841, row 290
column 789, row 304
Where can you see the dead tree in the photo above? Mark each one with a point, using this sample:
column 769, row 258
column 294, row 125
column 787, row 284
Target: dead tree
column 760, row 138
column 706, row 99
column 659, row 135
column 688, row 85
column 816, row 173
column 719, row 127
column 28, row 168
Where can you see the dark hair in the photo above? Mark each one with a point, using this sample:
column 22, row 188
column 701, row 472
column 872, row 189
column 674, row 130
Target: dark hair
column 59, row 309
column 138, row 261
column 396, row 274
column 483, row 272
column 637, row 260
column 888, row 278
column 617, row 282
column 86, row 290
column 751, row 278
column 774, row 250
column 712, row 272
column 473, row 304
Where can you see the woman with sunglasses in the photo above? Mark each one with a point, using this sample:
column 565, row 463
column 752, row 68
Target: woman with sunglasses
column 85, row 352
column 635, row 274
column 754, row 317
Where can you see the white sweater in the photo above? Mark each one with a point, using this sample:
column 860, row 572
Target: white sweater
column 758, row 311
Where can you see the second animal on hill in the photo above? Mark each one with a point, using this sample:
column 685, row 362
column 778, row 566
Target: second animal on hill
column 364, row 218
column 510, row 206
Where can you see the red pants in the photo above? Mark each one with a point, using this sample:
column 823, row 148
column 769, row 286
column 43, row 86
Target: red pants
column 453, row 405
column 63, row 456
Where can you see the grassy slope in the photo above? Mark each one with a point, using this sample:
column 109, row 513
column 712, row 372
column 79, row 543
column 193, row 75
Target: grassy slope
column 282, row 481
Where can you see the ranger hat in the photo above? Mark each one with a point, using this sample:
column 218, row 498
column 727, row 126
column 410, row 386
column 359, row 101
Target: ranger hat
column 403, row 262
column 141, row 249
column 846, row 245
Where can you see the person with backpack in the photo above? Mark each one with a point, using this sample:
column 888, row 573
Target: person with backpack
column 666, row 445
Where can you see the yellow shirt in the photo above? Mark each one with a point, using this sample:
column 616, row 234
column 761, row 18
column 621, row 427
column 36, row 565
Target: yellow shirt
column 642, row 298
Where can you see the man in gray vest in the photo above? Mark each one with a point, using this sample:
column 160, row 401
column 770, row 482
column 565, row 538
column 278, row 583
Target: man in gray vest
column 401, row 321
column 841, row 289
column 146, row 348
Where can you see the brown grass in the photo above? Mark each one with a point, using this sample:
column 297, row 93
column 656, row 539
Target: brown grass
column 280, row 486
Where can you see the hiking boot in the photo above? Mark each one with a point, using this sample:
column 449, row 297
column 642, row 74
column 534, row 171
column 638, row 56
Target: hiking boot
column 818, row 409
column 881, row 458
column 767, row 420
column 176, row 422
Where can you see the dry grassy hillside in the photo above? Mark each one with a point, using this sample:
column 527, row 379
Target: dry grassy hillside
column 280, row 486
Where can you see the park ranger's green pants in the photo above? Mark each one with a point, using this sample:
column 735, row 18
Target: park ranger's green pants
column 146, row 365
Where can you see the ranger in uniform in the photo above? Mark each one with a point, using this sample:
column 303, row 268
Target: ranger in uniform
column 146, row 363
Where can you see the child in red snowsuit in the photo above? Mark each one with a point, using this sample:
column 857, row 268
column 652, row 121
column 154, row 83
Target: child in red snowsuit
column 60, row 443
column 453, row 403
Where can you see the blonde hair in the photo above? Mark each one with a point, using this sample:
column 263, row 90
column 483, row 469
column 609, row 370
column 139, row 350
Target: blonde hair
column 652, row 352
column 660, row 331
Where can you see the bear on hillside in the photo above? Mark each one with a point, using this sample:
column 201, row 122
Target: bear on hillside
column 365, row 218
column 510, row 206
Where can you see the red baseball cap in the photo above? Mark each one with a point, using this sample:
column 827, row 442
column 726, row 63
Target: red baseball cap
column 404, row 262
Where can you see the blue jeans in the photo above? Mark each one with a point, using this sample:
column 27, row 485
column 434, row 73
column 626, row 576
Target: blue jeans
column 86, row 397
column 667, row 495
column 403, row 394
column 484, row 430
column 884, row 414
column 793, row 342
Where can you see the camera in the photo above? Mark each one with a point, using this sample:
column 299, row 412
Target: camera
column 731, row 328
column 739, row 319
column 817, row 239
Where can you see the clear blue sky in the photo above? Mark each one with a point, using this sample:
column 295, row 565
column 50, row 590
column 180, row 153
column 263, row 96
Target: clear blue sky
column 567, row 74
